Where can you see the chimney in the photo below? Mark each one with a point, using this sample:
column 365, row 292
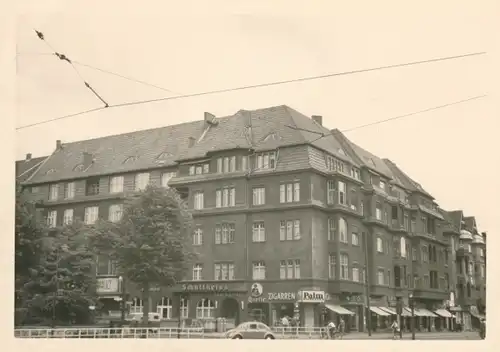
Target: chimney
column 209, row 119
column 191, row 142
column 28, row 157
column 88, row 159
column 318, row 119
column 58, row 144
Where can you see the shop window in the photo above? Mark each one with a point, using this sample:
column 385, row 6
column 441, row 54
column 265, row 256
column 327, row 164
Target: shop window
column 164, row 308
column 205, row 309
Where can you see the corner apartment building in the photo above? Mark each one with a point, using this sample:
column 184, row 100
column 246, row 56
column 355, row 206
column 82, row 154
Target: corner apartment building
column 286, row 223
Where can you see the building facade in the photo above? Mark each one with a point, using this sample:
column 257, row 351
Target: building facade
column 286, row 224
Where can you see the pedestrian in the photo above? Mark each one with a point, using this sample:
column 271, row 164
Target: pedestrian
column 395, row 329
column 331, row 330
column 341, row 328
column 285, row 323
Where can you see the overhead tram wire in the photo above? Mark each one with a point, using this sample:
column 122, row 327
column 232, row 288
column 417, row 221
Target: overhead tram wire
column 303, row 79
column 63, row 57
column 378, row 122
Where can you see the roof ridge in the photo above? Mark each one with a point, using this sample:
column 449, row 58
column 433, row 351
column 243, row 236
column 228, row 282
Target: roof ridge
column 39, row 167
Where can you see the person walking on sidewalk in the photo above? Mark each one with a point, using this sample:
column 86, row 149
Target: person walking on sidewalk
column 395, row 329
column 341, row 328
column 331, row 330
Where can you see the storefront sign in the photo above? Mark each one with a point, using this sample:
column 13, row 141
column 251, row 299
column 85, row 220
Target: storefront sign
column 312, row 296
column 352, row 298
column 257, row 295
column 205, row 287
column 107, row 285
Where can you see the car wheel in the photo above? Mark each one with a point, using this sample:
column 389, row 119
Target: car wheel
column 269, row 337
column 237, row 337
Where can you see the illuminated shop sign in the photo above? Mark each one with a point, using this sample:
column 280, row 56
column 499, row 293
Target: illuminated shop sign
column 257, row 295
column 312, row 296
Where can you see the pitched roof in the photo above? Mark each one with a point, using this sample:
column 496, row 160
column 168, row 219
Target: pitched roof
column 408, row 182
column 24, row 168
column 470, row 223
column 262, row 129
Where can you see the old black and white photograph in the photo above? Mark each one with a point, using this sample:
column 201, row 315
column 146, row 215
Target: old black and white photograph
column 253, row 170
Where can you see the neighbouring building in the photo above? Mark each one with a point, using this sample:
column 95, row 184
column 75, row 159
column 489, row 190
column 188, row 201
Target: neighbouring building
column 287, row 223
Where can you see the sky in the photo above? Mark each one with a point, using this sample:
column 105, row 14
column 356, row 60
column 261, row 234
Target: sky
column 195, row 46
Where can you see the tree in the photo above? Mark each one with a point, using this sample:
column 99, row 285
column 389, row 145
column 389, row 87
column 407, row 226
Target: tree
column 151, row 244
column 29, row 236
column 61, row 287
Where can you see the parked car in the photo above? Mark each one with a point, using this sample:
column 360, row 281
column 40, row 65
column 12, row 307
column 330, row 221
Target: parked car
column 154, row 319
column 250, row 330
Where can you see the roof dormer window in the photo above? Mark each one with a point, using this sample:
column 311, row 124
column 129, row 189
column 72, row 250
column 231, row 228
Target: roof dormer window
column 130, row 159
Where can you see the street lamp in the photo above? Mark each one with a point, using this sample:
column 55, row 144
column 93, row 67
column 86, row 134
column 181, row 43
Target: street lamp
column 122, row 289
column 412, row 306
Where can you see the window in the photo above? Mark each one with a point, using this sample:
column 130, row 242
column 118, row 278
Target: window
column 290, row 269
column 92, row 186
column 91, row 214
column 355, row 237
column 69, row 190
column 355, row 173
column 184, row 308
column 165, row 308
column 266, row 161
column 198, row 237
column 258, row 232
column 331, row 229
column 332, row 266
column 259, row 270
column 259, row 196
column 52, row 218
column 165, row 178
column 136, row 307
column 481, row 252
column 413, row 224
column 425, row 254
column 226, row 164
column 382, row 184
column 380, row 277
column 355, row 274
column 330, row 186
column 197, row 272
column 115, row 212
column 403, row 247
column 380, row 245
column 289, row 230
column 205, row 309
column 433, row 279
column 406, row 222
column 426, row 281
column 199, row 169
column 225, row 197
column 141, row 181
column 105, row 266
column 414, row 254
column 224, row 233
column 53, row 191
column 199, row 201
column 224, row 271
column 68, row 217
column 378, row 211
column 343, row 230
column 332, row 164
column 342, row 193
column 483, row 271
column 244, row 163
column 35, row 189
column 344, row 267
column 354, row 200
column 116, row 184
column 290, row 192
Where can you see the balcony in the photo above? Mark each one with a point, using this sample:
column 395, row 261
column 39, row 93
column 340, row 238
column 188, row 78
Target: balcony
column 431, row 293
column 464, row 251
column 478, row 239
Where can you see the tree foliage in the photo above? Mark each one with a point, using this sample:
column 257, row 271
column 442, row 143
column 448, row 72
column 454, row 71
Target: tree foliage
column 151, row 244
column 61, row 285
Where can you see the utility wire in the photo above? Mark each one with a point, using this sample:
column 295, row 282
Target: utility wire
column 310, row 78
column 322, row 135
column 124, row 77
column 65, row 58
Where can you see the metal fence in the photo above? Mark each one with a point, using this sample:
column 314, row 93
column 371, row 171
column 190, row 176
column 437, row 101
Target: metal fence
column 162, row 332
column 109, row 333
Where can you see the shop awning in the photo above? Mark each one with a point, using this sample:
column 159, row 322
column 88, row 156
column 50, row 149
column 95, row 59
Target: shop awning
column 391, row 311
column 426, row 313
column 417, row 312
column 379, row 311
column 444, row 313
column 477, row 315
column 338, row 309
